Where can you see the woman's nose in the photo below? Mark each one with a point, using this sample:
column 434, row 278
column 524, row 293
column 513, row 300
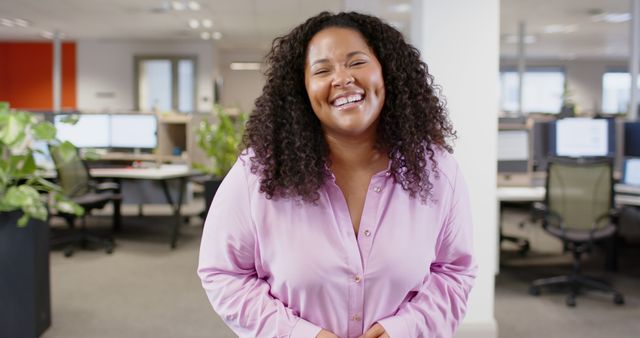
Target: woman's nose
column 342, row 77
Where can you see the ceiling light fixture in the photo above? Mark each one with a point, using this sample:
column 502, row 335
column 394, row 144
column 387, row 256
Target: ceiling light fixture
column 21, row 23
column 178, row 5
column 6, row 22
column 611, row 17
column 245, row 66
column 556, row 29
column 216, row 35
column 207, row 23
column 400, row 8
column 193, row 5
column 205, row 35
column 46, row 34
column 194, row 24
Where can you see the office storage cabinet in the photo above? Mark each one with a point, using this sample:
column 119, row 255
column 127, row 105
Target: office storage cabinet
column 25, row 302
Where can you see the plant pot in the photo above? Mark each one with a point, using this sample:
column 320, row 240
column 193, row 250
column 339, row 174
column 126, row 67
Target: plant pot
column 25, row 309
column 210, row 188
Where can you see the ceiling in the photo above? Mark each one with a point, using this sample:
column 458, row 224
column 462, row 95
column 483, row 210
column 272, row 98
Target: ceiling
column 251, row 25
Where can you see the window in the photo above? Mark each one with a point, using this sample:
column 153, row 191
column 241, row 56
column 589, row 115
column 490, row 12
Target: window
column 616, row 93
column 166, row 83
column 542, row 90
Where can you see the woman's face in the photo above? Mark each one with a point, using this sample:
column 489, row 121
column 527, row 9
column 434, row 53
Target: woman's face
column 344, row 82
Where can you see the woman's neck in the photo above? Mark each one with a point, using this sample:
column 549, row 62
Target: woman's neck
column 355, row 153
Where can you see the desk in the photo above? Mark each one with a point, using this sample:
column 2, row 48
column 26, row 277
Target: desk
column 627, row 195
column 163, row 174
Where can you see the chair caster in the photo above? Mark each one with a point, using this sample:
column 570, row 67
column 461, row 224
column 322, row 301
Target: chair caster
column 68, row 251
column 109, row 248
column 534, row 291
column 618, row 299
column 571, row 301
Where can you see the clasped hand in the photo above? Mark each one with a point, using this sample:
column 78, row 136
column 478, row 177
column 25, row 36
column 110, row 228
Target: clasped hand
column 376, row 331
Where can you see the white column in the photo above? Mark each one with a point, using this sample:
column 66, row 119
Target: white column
column 460, row 44
column 57, row 72
column 634, row 59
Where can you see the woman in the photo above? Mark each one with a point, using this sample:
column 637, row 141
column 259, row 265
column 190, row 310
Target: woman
column 345, row 216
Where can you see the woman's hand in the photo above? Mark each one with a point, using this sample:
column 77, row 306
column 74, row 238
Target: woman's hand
column 376, row 331
column 326, row 334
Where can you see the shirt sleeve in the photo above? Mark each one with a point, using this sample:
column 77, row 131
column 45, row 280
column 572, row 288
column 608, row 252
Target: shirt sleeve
column 227, row 268
column 441, row 302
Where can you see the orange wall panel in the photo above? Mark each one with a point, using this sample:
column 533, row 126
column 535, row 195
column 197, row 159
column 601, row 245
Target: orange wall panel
column 26, row 75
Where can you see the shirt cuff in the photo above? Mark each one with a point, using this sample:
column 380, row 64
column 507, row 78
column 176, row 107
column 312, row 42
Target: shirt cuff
column 304, row 329
column 396, row 327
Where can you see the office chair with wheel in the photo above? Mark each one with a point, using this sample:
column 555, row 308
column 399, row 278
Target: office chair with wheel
column 578, row 210
column 76, row 183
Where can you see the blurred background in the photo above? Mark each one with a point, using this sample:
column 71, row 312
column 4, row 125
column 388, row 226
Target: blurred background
column 150, row 82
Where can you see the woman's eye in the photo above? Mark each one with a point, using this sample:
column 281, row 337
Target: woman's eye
column 357, row 63
column 320, row 71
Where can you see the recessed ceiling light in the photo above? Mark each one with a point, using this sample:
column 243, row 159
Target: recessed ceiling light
column 216, row 35
column 205, row 35
column 555, row 29
column 400, row 8
column 46, row 34
column 207, row 23
column 178, row 6
column 193, row 5
column 7, row 22
column 245, row 66
column 194, row 24
column 21, row 23
column 611, row 17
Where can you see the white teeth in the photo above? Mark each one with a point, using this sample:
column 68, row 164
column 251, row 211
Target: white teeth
column 347, row 99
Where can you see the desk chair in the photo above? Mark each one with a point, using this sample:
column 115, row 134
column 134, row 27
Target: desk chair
column 76, row 183
column 578, row 210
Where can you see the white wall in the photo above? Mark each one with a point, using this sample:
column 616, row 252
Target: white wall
column 465, row 63
column 584, row 78
column 105, row 71
column 241, row 87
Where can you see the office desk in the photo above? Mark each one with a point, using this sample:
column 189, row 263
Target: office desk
column 627, row 195
column 162, row 174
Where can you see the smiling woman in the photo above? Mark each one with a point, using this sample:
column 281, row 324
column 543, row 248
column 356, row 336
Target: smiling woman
column 345, row 215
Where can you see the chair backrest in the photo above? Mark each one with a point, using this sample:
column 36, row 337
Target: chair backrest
column 580, row 191
column 73, row 174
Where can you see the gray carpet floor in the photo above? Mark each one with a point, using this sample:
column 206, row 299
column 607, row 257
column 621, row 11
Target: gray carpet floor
column 145, row 289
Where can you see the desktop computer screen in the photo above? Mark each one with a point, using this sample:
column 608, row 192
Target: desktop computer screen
column 91, row 130
column 582, row 137
column 632, row 139
column 513, row 151
column 631, row 171
column 133, row 131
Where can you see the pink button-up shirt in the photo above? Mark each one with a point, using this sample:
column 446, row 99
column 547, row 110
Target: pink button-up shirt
column 284, row 268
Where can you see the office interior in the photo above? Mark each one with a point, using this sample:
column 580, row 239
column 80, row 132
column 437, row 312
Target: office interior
column 141, row 76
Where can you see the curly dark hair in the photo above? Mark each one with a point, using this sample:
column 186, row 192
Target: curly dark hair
column 290, row 152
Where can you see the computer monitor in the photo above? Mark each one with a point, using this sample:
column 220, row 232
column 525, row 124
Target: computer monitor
column 582, row 137
column 631, row 171
column 134, row 131
column 632, row 139
column 91, row 130
column 513, row 151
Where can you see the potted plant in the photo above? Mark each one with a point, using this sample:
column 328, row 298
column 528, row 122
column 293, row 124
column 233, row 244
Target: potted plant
column 24, row 232
column 220, row 142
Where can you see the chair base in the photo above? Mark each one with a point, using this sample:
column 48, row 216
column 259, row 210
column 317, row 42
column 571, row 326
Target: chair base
column 576, row 283
column 83, row 240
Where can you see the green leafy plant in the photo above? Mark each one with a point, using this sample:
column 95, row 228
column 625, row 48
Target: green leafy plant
column 220, row 141
column 21, row 180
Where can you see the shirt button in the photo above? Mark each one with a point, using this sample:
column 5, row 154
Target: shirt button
column 367, row 233
column 356, row 317
column 377, row 189
column 357, row 279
